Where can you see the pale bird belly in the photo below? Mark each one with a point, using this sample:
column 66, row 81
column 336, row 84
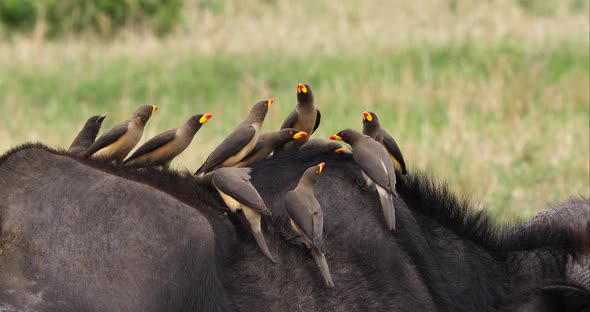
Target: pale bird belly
column 396, row 164
column 117, row 150
column 161, row 155
column 305, row 125
column 231, row 203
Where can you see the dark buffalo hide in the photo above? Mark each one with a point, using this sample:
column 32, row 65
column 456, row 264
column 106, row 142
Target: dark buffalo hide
column 82, row 236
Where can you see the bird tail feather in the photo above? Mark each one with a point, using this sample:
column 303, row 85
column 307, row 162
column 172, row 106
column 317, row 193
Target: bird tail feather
column 387, row 205
column 320, row 260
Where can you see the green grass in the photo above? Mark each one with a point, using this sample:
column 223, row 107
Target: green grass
column 505, row 121
column 505, row 125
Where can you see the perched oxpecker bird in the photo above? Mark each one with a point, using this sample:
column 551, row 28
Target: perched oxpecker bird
column 372, row 128
column 117, row 142
column 161, row 149
column 234, row 187
column 324, row 146
column 238, row 143
column 376, row 167
column 307, row 218
column 305, row 117
column 268, row 142
column 87, row 135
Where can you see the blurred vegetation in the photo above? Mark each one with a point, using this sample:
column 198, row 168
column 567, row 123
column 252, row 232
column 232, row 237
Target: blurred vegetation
column 102, row 17
column 491, row 96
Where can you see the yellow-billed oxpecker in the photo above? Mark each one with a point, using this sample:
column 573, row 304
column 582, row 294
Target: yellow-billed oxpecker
column 268, row 142
column 305, row 117
column 87, row 135
column 234, row 187
column 307, row 218
column 376, row 167
column 117, row 142
column 372, row 128
column 323, row 146
column 161, row 149
column 238, row 143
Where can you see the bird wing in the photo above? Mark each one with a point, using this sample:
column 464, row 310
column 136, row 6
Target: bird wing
column 298, row 207
column 230, row 146
column 318, row 223
column 235, row 182
column 394, row 150
column 153, row 144
column 108, row 138
column 318, row 117
column 259, row 145
column 290, row 121
column 373, row 159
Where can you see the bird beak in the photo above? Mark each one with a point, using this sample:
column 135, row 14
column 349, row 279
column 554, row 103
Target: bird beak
column 101, row 118
column 270, row 102
column 205, row 118
column 335, row 137
column 321, row 167
column 154, row 108
column 301, row 88
column 341, row 150
column 367, row 116
column 299, row 135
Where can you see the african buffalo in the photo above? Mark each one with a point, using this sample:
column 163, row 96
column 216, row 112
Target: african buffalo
column 81, row 236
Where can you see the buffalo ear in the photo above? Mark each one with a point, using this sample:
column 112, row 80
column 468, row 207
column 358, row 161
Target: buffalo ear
column 566, row 298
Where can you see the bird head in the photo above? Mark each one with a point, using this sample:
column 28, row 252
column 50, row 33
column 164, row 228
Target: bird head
column 100, row 118
column 370, row 122
column 259, row 110
column 346, row 135
column 304, row 94
column 197, row 121
column 145, row 112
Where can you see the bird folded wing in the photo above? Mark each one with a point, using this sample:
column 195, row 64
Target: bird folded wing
column 108, row 138
column 236, row 141
column 235, row 182
column 153, row 144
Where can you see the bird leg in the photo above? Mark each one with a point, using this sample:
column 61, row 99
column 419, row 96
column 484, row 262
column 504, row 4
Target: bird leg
column 254, row 218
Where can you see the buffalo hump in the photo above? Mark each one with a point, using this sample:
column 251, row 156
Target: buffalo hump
column 75, row 238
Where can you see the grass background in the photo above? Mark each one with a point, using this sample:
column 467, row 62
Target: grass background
column 491, row 96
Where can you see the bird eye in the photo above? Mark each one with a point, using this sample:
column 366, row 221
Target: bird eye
column 291, row 132
column 265, row 104
column 317, row 172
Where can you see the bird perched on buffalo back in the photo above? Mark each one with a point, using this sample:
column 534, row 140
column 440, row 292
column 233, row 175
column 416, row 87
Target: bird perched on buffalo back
column 372, row 128
column 268, row 142
column 376, row 167
column 305, row 117
column 161, row 149
column 307, row 218
column 234, row 187
column 323, row 146
column 117, row 142
column 87, row 135
column 238, row 143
